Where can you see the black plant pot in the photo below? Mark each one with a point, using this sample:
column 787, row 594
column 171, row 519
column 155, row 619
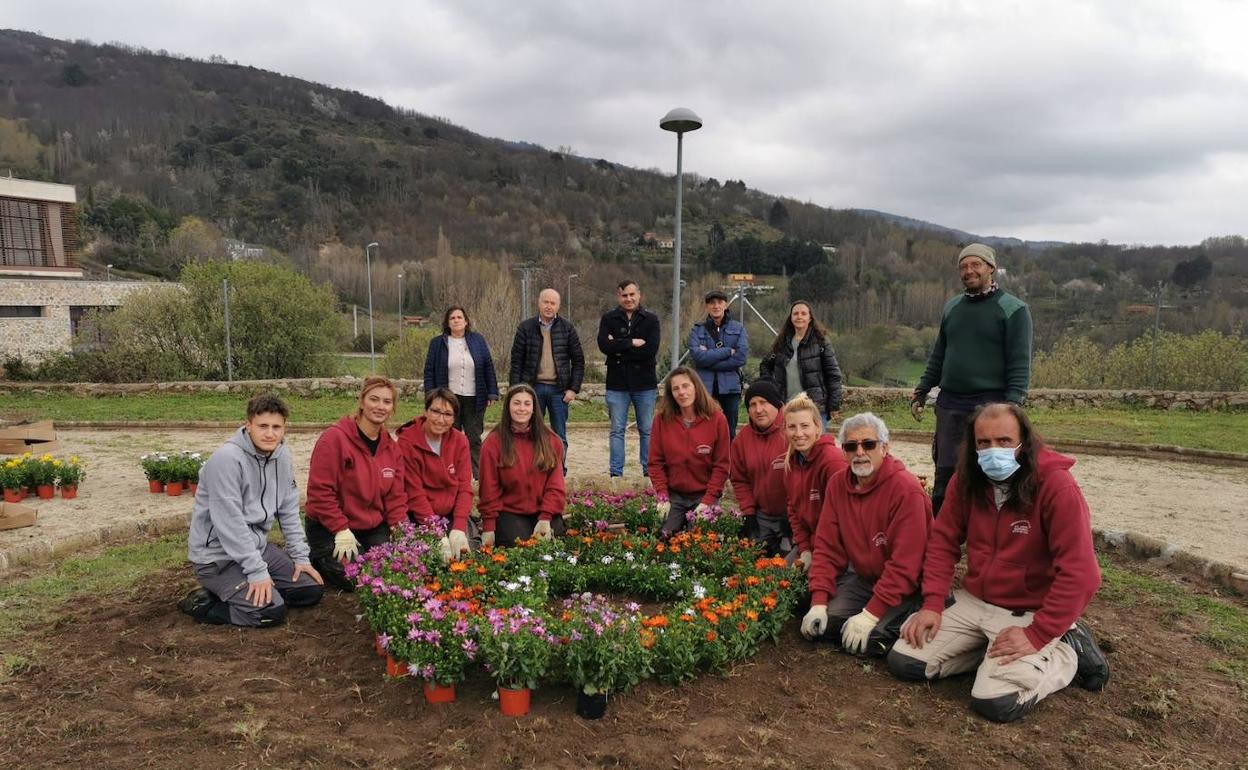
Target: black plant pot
column 591, row 706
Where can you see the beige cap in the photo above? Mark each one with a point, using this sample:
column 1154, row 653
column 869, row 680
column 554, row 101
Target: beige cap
column 980, row 250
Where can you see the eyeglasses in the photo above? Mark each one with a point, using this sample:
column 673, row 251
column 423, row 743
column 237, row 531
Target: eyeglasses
column 442, row 413
column 867, row 444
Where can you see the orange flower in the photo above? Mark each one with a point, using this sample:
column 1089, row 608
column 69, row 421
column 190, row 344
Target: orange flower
column 647, row 639
column 741, row 627
column 659, row 548
column 785, row 584
column 711, row 636
column 572, row 532
column 769, row 603
column 499, row 558
column 674, row 548
column 458, row 566
column 704, row 604
column 435, row 586
column 752, row 580
column 657, row 621
column 751, row 615
column 481, row 570
column 710, row 617
column 732, row 582
column 686, row 618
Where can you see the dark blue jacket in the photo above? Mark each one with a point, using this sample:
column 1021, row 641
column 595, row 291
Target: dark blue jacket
column 436, row 363
column 718, row 364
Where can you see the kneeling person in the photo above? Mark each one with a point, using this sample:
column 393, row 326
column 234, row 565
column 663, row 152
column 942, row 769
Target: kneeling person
column 868, row 545
column 756, row 468
column 244, row 486
column 1031, row 572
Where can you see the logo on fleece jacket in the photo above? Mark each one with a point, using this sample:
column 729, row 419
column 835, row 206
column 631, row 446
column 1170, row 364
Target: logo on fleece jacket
column 778, row 463
column 703, row 449
column 879, row 540
column 1021, row 527
column 387, row 473
column 815, row 494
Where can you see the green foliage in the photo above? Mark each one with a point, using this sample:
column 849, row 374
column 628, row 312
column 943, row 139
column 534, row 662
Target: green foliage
column 74, row 75
column 750, row 254
column 825, row 281
column 869, row 354
column 405, row 356
column 1208, row 360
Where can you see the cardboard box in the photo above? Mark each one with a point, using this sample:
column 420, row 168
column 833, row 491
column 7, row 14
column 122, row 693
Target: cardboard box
column 35, row 437
column 15, row 515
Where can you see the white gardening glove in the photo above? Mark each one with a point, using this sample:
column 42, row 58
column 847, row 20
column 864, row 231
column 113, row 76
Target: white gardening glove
column 345, row 545
column 663, row 507
column 856, row 630
column 542, row 530
column 487, row 539
column 816, row 621
column 804, row 560
column 447, row 554
column 459, row 543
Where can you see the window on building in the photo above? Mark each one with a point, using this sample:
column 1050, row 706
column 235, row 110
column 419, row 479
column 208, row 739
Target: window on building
column 24, row 233
column 21, row 311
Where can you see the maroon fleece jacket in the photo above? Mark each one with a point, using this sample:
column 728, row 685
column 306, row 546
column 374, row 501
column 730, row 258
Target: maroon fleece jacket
column 520, row 488
column 756, row 468
column 1039, row 559
column 438, row 485
column 348, row 487
column 806, row 480
column 878, row 529
column 691, row 461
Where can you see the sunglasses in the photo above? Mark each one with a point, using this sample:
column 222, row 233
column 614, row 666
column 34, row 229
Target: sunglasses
column 867, row 444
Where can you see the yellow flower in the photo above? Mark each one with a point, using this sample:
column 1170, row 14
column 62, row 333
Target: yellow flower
column 27, row 454
column 73, row 459
column 46, row 458
column 56, row 463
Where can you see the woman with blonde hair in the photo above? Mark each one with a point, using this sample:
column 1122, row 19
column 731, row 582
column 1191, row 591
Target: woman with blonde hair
column 689, row 449
column 521, row 484
column 812, row 459
column 355, row 483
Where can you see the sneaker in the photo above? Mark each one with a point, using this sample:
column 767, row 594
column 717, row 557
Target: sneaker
column 1093, row 671
column 198, row 602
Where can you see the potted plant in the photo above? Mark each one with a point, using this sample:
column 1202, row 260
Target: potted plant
column 68, row 476
column 153, row 465
column 13, row 480
column 603, row 652
column 517, row 648
column 194, row 461
column 173, row 475
column 42, row 475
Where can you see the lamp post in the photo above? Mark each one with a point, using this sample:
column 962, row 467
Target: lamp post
column 570, row 277
column 400, row 306
column 679, row 121
column 372, row 349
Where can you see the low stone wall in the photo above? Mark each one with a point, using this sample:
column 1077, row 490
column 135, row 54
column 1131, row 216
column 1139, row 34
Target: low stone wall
column 855, row 398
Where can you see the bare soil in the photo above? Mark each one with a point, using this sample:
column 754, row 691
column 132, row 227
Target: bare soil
column 129, row 682
column 1199, row 507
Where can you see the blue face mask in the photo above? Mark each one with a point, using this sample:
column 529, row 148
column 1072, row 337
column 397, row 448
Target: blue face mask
column 998, row 463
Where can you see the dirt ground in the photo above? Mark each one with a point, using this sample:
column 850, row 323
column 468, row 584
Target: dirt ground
column 1199, row 507
column 128, row 682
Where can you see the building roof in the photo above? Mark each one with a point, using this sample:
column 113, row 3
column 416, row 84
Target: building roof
column 37, row 191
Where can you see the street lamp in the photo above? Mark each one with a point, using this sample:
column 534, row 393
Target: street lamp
column 400, row 306
column 570, row 277
column 678, row 120
column 372, row 349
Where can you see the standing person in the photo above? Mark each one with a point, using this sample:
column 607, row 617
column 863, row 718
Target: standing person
column 1030, row 573
column 546, row 355
column 756, row 467
column 247, row 485
column 689, row 461
column 521, row 492
column 868, row 545
column 802, row 359
column 355, row 484
column 718, row 346
column 436, row 470
column 811, row 460
column 459, row 359
column 629, row 337
column 982, row 355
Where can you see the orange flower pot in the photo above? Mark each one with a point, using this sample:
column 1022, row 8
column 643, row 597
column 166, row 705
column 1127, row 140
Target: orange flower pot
column 436, row 693
column 14, row 495
column 69, row 493
column 381, row 651
column 514, row 703
column 193, row 486
column 45, row 491
column 395, row 667
column 173, row 488
column 155, row 487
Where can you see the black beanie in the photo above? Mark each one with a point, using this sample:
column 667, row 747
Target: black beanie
column 765, row 389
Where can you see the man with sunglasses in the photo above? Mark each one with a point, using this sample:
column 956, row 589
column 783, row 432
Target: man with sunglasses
column 868, row 546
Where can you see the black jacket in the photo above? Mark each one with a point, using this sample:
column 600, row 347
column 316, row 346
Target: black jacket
column 565, row 346
column 821, row 375
column 630, row 368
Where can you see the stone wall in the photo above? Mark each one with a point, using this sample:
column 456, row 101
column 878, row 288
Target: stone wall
column 51, row 332
column 856, row 399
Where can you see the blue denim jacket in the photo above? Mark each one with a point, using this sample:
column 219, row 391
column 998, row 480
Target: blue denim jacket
column 718, row 364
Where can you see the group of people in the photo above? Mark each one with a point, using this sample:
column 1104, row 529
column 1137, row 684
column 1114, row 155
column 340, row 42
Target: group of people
column 880, row 563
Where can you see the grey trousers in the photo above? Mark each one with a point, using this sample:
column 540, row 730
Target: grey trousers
column 769, row 531
column 675, row 520
column 227, row 582
column 511, row 527
column 852, row 595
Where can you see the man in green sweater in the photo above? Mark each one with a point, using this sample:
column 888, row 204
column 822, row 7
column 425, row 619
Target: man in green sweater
column 982, row 355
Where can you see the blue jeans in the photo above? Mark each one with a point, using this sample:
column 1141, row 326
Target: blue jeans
column 550, row 402
column 618, row 402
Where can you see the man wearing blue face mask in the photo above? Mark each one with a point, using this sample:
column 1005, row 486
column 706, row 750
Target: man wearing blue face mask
column 1031, row 572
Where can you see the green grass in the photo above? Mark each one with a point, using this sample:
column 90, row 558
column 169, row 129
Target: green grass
column 357, row 366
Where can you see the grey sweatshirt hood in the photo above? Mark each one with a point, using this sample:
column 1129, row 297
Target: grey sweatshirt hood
column 242, row 492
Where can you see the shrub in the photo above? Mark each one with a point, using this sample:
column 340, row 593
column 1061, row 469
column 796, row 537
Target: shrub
column 1208, row 360
column 405, row 356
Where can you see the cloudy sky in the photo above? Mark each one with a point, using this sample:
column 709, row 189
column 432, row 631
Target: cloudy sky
column 1123, row 120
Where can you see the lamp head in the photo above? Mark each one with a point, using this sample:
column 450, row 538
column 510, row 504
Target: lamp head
column 680, row 120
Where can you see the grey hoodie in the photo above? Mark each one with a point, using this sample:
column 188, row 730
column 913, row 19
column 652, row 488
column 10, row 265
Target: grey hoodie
column 241, row 492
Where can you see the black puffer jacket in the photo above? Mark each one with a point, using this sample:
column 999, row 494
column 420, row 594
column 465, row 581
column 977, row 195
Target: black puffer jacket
column 565, row 346
column 821, row 375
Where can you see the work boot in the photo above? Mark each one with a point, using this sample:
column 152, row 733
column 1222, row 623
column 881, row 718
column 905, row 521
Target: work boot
column 1093, row 671
column 199, row 603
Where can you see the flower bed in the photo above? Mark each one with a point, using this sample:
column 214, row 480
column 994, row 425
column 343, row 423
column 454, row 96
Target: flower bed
column 547, row 599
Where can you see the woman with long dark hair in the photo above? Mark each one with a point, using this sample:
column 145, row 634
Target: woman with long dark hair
column 437, row 469
column 801, row 359
column 521, row 491
column 459, row 359
column 689, row 448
